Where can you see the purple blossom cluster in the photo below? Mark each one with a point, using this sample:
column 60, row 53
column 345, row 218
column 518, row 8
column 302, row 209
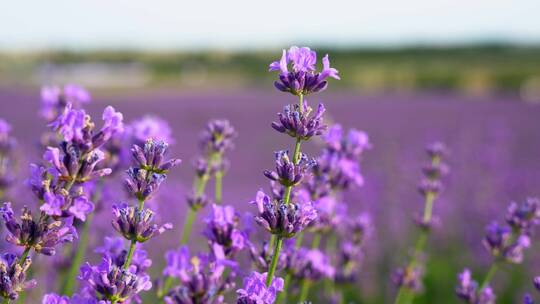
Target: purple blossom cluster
column 307, row 246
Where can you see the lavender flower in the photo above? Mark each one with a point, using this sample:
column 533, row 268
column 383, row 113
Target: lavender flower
column 13, row 276
column 151, row 157
column 71, row 164
column 152, row 127
column 302, row 79
column 467, row 290
column 297, row 121
column 218, row 136
column 311, row 264
column 53, row 298
column 527, row 299
column 536, row 282
column 202, row 277
column 54, row 99
column 113, row 249
column 283, row 220
column 500, row 241
column 222, row 228
column 38, row 234
column 109, row 282
column 255, row 290
column 65, row 205
column 523, row 217
column 409, row 277
column 287, row 172
column 136, row 224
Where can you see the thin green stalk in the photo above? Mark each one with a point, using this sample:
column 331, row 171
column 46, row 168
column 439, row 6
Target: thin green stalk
column 304, row 291
column 275, row 258
column 218, row 192
column 282, row 296
column 130, row 254
column 489, row 276
column 24, row 255
column 299, row 239
column 188, row 224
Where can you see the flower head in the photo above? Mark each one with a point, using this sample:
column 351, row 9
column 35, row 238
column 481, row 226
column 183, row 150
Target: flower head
column 38, row 234
column 151, row 157
column 467, row 290
column 150, row 127
column 255, row 290
column 222, row 228
column 524, row 216
column 54, row 99
column 297, row 121
column 500, row 242
column 114, row 249
column 284, row 220
column 136, row 224
column 110, row 282
column 287, row 172
column 302, row 79
column 218, row 136
column 13, row 276
column 409, row 277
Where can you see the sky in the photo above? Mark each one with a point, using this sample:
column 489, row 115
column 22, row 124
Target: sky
column 256, row 24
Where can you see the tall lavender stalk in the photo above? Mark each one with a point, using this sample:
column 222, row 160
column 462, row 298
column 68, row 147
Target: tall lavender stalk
column 282, row 218
column 7, row 145
column 409, row 279
column 507, row 244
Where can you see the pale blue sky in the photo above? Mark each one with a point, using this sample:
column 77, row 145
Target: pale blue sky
column 238, row 24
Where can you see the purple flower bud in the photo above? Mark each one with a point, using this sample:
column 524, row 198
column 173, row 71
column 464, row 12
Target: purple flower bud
column 70, row 123
column 197, row 202
column 284, row 220
column 52, row 298
column 143, row 184
column 311, row 264
column 222, row 228
column 202, row 279
column 218, row 136
column 38, row 234
column 302, row 79
column 151, row 157
column 299, row 123
column 527, row 299
column 525, row 215
column 536, row 282
column 287, row 173
column 13, row 276
column 409, row 277
column 349, row 260
column 112, row 124
column 255, row 290
column 110, row 282
column 114, row 249
column 437, row 150
column 428, row 186
column 135, row 224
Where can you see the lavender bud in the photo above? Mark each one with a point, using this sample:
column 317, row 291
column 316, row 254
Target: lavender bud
column 197, row 202
column 136, row 225
column 222, row 228
column 255, row 290
column 287, row 172
column 524, row 216
column 298, row 123
column 13, row 276
column 218, row 136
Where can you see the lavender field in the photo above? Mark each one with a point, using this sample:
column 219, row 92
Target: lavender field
column 493, row 155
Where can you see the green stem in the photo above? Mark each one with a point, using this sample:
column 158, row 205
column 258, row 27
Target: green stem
column 130, row 254
column 24, row 255
column 218, row 177
column 71, row 278
column 489, row 276
column 304, row 291
column 299, row 239
column 316, row 241
column 282, row 296
column 188, row 224
column 273, row 265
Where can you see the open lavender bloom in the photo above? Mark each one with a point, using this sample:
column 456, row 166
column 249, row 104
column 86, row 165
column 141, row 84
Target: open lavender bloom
column 467, row 290
column 311, row 264
column 113, row 248
column 297, row 121
column 109, row 282
column 13, row 276
column 7, row 144
column 357, row 230
column 52, row 298
column 38, row 234
column 202, row 277
column 283, row 220
column 54, row 99
column 255, row 290
column 524, row 216
column 65, row 205
column 76, row 127
column 135, row 224
column 501, row 243
column 222, row 227
column 302, row 79
column 536, row 282
column 287, row 172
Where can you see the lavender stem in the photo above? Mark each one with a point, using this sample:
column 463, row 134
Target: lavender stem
column 272, row 269
column 489, row 276
column 218, row 177
column 133, row 241
column 304, row 291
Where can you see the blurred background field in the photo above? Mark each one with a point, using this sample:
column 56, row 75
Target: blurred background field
column 467, row 74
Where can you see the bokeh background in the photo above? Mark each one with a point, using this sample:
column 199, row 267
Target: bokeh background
column 463, row 72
